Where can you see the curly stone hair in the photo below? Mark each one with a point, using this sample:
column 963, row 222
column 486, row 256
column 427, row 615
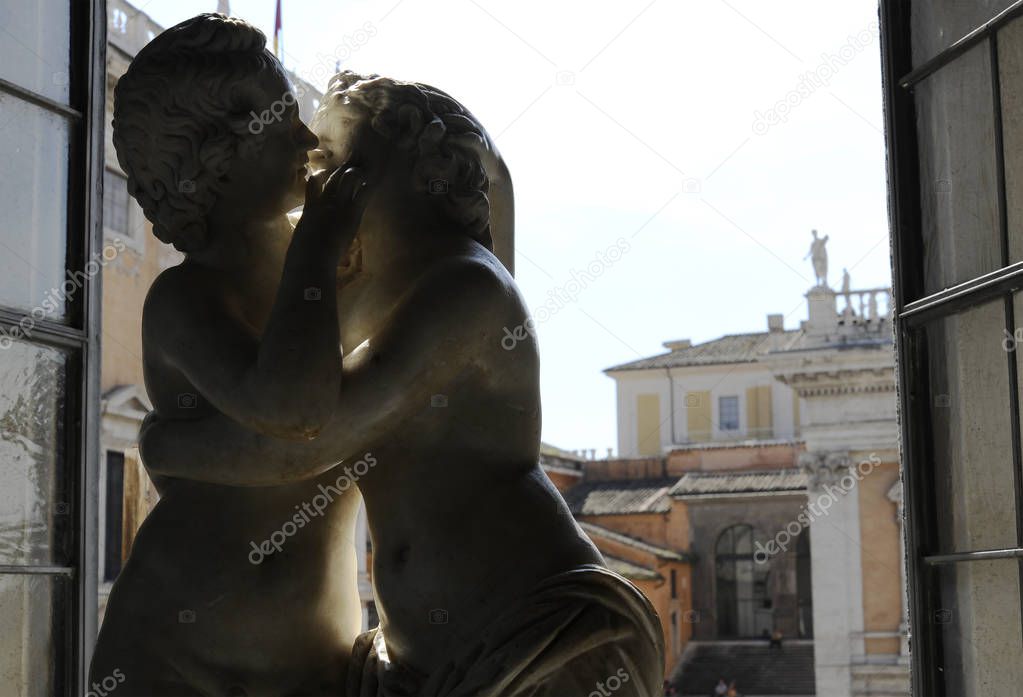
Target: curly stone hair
column 181, row 112
column 444, row 137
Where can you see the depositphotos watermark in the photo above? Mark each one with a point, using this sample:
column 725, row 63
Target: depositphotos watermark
column 107, row 685
column 817, row 509
column 812, row 80
column 314, row 508
column 613, row 683
column 324, row 67
column 56, row 298
column 327, row 65
column 559, row 296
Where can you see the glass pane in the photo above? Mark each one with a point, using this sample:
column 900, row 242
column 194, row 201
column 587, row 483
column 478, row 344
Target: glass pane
column 34, row 169
column 979, row 621
column 35, row 514
column 1010, row 58
column 959, row 212
column 33, row 616
column 34, row 49
column 938, row 24
column 971, row 442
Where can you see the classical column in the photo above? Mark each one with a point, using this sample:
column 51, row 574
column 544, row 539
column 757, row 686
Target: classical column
column 837, row 579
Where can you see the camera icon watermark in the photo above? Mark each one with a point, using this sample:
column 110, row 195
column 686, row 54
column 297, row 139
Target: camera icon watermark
column 438, row 186
column 691, row 401
column 62, row 508
column 439, row 400
column 691, row 616
column 186, row 617
column 186, row 186
column 564, row 78
column 942, row 616
column 187, row 401
column 312, row 294
column 438, row 616
column 943, row 401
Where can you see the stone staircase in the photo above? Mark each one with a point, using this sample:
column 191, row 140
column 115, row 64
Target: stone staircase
column 871, row 680
column 756, row 669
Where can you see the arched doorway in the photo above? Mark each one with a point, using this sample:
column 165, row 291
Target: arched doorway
column 804, row 585
column 743, row 608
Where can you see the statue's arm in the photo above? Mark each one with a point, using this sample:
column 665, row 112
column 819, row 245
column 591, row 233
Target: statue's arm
column 431, row 339
column 218, row 450
column 286, row 382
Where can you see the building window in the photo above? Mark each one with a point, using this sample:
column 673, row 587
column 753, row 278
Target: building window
column 674, row 584
column 728, row 413
column 953, row 109
column 49, row 361
column 741, row 585
column 675, row 639
column 119, row 20
column 116, row 211
column 114, row 516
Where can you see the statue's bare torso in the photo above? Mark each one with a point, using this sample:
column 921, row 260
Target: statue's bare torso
column 463, row 521
column 194, row 607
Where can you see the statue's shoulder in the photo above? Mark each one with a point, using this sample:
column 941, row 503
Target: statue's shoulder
column 460, row 286
column 175, row 286
column 176, row 296
column 476, row 272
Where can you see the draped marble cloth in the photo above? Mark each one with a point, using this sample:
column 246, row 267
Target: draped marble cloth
column 575, row 630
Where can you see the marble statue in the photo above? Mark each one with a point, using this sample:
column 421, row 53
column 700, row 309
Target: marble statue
column 847, row 311
column 484, row 583
column 247, row 327
column 818, row 256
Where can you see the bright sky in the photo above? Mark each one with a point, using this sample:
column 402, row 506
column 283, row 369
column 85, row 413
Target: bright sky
column 639, row 120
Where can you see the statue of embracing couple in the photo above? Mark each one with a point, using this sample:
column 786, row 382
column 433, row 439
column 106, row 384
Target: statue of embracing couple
column 296, row 367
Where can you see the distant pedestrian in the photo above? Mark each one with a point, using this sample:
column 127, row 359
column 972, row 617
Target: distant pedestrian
column 722, row 688
column 732, row 691
column 776, row 638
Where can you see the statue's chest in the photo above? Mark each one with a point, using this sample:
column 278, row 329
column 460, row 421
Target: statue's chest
column 364, row 310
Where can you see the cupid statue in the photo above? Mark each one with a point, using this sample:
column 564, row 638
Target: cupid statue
column 818, row 255
column 293, row 369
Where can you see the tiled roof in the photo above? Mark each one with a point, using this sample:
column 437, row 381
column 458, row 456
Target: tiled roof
column 555, row 451
column 659, row 552
column 551, row 456
column 695, row 485
column 732, row 348
column 623, row 496
column 633, row 572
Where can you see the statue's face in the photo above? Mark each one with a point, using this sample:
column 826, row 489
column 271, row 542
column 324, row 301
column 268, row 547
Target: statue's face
column 337, row 126
column 271, row 179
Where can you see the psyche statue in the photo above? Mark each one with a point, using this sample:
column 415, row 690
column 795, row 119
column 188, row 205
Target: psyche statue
column 294, row 367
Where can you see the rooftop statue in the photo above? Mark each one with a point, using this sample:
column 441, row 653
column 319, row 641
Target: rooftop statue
column 818, row 256
column 485, row 585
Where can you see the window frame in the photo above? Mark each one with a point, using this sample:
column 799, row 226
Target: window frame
column 914, row 308
column 79, row 335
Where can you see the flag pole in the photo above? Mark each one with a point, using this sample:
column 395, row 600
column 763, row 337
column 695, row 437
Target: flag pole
column 278, row 34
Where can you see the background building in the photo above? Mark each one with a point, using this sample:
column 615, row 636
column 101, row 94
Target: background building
column 758, row 492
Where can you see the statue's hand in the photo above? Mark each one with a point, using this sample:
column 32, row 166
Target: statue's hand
column 335, row 202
